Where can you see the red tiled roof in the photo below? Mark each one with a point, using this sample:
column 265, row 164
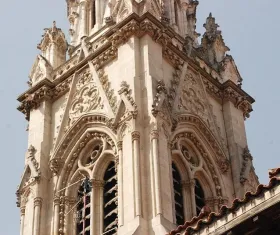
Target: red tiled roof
column 206, row 219
column 274, row 172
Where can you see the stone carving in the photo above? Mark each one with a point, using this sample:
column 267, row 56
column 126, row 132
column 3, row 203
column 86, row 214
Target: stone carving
column 246, row 165
column 31, row 174
column 107, row 89
column 120, row 10
column 107, row 51
column 100, row 146
column 159, row 97
column 175, row 143
column 87, row 97
column 54, row 166
column 125, row 89
column 192, row 98
column 41, row 69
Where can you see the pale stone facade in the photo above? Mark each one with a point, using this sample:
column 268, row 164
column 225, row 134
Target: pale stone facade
column 136, row 90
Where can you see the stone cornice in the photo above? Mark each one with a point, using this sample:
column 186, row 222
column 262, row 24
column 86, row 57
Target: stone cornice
column 104, row 49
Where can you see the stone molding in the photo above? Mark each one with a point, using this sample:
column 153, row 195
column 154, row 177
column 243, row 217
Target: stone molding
column 38, row 201
column 135, row 135
column 206, row 158
column 106, row 51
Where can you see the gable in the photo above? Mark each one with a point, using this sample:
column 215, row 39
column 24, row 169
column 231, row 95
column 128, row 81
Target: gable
column 41, row 69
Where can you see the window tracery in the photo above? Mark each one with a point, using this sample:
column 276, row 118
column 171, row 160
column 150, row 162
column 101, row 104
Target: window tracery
column 191, row 168
column 97, row 196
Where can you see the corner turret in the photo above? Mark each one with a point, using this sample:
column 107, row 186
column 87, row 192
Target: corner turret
column 54, row 46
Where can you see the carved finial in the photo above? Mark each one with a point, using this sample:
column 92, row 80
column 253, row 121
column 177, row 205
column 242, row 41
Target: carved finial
column 213, row 42
column 211, row 27
column 190, row 7
column 53, row 46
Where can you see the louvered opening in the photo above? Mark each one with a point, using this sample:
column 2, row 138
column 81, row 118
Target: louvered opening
column 110, row 200
column 83, row 209
column 178, row 196
column 199, row 197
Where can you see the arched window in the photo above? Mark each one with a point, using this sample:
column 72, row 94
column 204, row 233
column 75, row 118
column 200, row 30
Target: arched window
column 178, row 196
column 83, row 209
column 199, row 197
column 110, row 199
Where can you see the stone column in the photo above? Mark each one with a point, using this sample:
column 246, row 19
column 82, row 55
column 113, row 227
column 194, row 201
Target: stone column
column 83, row 30
column 136, row 163
column 69, row 212
column 37, row 215
column 120, row 183
column 156, row 170
column 187, row 200
column 56, row 215
column 22, row 216
column 98, row 14
column 193, row 204
column 96, row 209
column 92, row 207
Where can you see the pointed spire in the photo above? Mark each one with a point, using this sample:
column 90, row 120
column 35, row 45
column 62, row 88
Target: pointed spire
column 213, row 42
column 190, row 7
column 211, row 27
column 53, row 46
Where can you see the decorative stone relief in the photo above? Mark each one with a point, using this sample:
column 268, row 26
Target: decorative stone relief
column 192, row 99
column 107, row 89
column 246, row 165
column 86, row 99
column 194, row 160
column 120, row 10
column 31, row 173
column 127, row 108
column 41, row 69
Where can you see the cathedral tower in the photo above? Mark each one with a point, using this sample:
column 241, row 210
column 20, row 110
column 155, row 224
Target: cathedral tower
column 139, row 129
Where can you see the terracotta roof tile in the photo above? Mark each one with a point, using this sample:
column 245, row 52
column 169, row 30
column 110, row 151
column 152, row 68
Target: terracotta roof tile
column 274, row 172
column 203, row 219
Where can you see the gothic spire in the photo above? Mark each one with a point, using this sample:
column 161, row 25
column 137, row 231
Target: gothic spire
column 53, row 46
column 213, row 42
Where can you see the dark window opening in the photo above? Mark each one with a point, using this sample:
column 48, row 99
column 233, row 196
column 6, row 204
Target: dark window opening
column 110, row 200
column 83, row 209
column 178, row 196
column 93, row 14
column 176, row 13
column 199, row 197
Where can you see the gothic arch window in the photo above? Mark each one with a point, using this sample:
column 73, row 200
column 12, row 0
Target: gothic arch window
column 178, row 195
column 110, row 199
column 97, row 196
column 83, row 208
column 199, row 197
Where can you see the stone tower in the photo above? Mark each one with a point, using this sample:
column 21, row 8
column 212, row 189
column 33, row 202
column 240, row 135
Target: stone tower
column 139, row 129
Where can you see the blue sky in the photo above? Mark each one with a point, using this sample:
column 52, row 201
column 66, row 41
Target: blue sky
column 250, row 28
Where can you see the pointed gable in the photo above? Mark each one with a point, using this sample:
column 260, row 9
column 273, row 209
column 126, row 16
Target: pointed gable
column 41, row 69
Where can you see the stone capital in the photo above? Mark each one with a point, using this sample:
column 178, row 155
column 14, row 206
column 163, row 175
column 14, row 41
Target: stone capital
column 97, row 183
column 154, row 134
column 120, row 145
column 22, row 210
column 135, row 135
column 38, row 201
